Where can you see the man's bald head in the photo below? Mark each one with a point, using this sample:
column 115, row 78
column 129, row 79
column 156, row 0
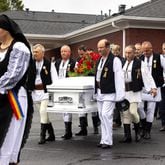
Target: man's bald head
column 147, row 48
column 65, row 52
column 103, row 47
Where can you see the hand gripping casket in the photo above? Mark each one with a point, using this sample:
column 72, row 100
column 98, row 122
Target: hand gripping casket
column 72, row 95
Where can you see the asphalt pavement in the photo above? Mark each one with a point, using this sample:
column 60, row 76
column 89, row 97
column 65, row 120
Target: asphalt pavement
column 83, row 150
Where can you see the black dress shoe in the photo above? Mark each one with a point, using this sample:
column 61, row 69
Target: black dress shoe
column 162, row 129
column 96, row 131
column 126, row 140
column 82, row 132
column 67, row 136
column 99, row 145
column 50, row 139
column 42, row 141
column 147, row 136
column 105, row 146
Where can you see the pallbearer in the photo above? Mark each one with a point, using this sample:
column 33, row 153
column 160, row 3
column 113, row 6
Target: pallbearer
column 156, row 65
column 63, row 66
column 109, row 86
column 39, row 77
column 136, row 76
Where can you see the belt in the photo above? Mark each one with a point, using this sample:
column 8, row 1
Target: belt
column 39, row 87
column 128, row 86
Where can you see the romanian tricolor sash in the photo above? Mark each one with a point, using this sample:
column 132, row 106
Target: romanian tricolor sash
column 17, row 110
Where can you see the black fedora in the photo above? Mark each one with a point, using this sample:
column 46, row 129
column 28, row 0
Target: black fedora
column 123, row 105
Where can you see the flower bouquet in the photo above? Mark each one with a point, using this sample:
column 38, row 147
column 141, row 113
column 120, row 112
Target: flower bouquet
column 86, row 66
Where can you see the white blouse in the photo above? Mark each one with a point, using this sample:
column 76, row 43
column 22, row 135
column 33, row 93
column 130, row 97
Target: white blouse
column 3, row 55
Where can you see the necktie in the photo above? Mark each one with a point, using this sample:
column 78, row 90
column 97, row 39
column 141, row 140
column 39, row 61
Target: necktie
column 63, row 64
column 148, row 65
column 127, row 69
column 102, row 60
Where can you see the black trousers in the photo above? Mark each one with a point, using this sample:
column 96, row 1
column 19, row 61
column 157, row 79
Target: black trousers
column 162, row 106
column 117, row 117
column 6, row 114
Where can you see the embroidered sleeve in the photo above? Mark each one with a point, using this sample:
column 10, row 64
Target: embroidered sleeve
column 18, row 64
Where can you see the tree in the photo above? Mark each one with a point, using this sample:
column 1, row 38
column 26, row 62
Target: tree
column 11, row 5
column 16, row 5
column 4, row 5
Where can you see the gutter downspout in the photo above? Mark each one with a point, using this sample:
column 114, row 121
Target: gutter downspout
column 124, row 35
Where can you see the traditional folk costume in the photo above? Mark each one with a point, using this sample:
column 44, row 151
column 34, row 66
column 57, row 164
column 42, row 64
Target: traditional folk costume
column 109, row 87
column 15, row 101
column 83, row 119
column 136, row 76
column 63, row 67
column 155, row 64
column 40, row 75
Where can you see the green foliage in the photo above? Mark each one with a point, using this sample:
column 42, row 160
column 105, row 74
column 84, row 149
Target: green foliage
column 16, row 5
column 11, row 5
column 4, row 5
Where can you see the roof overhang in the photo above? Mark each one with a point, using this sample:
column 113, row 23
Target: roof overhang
column 102, row 28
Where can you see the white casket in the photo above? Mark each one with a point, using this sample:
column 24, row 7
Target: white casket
column 72, row 95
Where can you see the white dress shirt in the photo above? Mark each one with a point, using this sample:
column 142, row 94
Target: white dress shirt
column 3, row 55
column 63, row 69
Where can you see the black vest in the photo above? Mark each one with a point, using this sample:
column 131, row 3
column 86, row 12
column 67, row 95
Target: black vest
column 122, row 59
column 45, row 75
column 157, row 70
column 107, row 83
column 137, row 81
column 70, row 67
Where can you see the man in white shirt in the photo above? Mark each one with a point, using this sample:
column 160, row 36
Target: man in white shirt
column 156, row 65
column 109, row 87
column 136, row 76
column 63, row 66
column 39, row 77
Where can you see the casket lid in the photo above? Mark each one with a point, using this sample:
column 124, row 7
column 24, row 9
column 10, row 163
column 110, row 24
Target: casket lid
column 74, row 83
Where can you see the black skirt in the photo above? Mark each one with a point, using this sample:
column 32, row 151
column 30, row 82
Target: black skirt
column 6, row 114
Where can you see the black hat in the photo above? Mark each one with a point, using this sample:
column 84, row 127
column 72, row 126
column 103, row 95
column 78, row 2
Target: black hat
column 12, row 27
column 123, row 105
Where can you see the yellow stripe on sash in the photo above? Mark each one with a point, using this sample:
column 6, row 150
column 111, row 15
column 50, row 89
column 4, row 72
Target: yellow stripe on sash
column 17, row 110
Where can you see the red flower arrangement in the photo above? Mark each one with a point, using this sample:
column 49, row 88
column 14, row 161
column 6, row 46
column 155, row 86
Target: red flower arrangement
column 86, row 66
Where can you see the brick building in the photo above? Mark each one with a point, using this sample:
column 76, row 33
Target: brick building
column 143, row 22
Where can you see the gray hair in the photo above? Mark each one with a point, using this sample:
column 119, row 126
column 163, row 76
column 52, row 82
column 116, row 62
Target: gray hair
column 39, row 46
